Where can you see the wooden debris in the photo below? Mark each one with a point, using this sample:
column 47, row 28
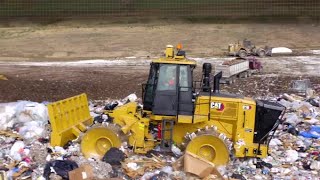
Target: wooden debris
column 144, row 164
column 17, row 174
column 10, row 134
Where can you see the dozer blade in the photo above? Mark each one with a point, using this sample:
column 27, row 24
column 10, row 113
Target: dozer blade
column 211, row 147
column 98, row 140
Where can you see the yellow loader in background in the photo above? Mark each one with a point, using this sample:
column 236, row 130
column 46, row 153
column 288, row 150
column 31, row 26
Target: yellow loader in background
column 247, row 48
column 194, row 115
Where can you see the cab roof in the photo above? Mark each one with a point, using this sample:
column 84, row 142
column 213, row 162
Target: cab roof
column 175, row 60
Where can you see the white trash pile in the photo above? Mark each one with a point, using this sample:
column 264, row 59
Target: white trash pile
column 26, row 152
column 27, row 118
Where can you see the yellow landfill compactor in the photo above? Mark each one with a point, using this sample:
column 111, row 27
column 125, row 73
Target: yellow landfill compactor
column 175, row 110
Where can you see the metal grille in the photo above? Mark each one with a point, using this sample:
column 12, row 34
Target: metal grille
column 230, row 111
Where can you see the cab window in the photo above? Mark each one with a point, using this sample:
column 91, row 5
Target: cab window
column 183, row 79
column 167, row 77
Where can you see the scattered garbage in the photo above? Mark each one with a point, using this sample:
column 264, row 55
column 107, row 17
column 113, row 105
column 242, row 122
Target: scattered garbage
column 59, row 167
column 301, row 87
column 314, row 132
column 314, row 102
column 84, row 172
column 176, row 150
column 25, row 151
column 291, row 156
column 200, row 167
column 114, row 156
column 17, row 151
column 27, row 118
column 138, row 165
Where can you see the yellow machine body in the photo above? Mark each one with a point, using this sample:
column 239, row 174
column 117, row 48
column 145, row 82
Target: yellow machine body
column 68, row 118
column 213, row 115
column 233, row 117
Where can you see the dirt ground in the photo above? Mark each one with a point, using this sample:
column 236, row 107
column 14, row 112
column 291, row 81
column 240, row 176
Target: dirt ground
column 30, row 81
column 64, row 41
column 104, row 39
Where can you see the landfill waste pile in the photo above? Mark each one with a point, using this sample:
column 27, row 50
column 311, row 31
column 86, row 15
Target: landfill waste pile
column 25, row 151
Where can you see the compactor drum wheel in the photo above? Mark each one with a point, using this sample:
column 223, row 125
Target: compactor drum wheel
column 97, row 141
column 209, row 147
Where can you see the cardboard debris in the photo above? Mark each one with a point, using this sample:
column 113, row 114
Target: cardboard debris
column 304, row 111
column 2, row 77
column 199, row 166
column 84, row 172
column 178, row 164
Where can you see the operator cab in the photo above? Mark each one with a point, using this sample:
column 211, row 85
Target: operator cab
column 169, row 87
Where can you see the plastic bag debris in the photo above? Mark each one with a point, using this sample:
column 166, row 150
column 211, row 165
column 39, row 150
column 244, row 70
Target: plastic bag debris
column 176, row 150
column 60, row 150
column 132, row 97
column 111, row 106
column 28, row 118
column 161, row 175
column 133, row 166
column 17, row 150
column 167, row 169
column 148, row 175
column 238, row 176
column 101, row 118
column 292, row 119
column 59, row 167
column 315, row 165
column 114, row 156
column 314, row 132
column 291, row 156
column 275, row 142
column 292, row 130
column 314, row 102
column 261, row 164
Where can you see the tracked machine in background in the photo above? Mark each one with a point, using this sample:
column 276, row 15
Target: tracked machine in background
column 193, row 115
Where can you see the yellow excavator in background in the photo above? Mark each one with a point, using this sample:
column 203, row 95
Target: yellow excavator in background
column 193, row 115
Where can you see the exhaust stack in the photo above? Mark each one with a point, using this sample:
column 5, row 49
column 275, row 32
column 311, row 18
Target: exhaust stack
column 206, row 73
column 216, row 82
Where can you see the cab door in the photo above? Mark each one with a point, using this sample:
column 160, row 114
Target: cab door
column 165, row 100
column 173, row 95
column 185, row 104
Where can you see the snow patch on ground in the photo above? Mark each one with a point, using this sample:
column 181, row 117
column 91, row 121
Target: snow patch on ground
column 129, row 61
column 315, row 52
column 94, row 62
column 281, row 50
